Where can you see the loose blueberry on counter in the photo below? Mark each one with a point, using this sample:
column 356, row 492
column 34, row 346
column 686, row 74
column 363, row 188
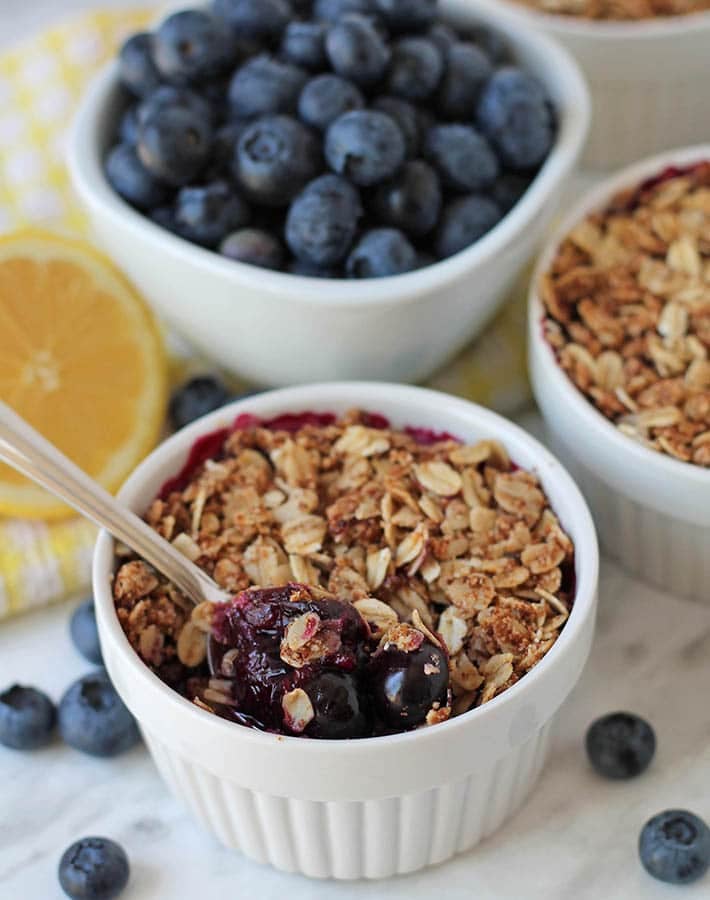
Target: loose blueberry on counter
column 303, row 44
column 136, row 66
column 674, row 847
column 620, row 745
column 514, row 113
column 322, row 221
column 131, row 180
column 338, row 707
column 265, row 85
column 415, row 69
column 326, row 97
column 356, row 50
column 365, row 146
column 27, row 718
column 406, row 684
column 411, row 200
column 407, row 15
column 254, row 246
column 206, row 214
column 462, row 156
column 275, row 157
column 197, row 397
column 464, row 221
column 174, row 144
column 257, row 19
column 93, row 719
column 407, row 116
column 84, row 633
column 190, row 46
column 467, row 70
column 94, row 868
column 168, row 96
column 381, row 252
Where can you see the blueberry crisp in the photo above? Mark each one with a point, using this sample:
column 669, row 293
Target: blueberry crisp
column 333, row 138
column 383, row 579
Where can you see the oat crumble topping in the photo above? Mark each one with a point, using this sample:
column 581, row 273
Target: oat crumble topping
column 620, row 10
column 438, row 539
column 628, row 304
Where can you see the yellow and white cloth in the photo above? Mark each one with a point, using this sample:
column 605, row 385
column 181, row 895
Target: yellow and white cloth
column 41, row 82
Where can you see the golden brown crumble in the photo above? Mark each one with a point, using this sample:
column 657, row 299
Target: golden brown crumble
column 620, row 10
column 628, row 303
column 447, row 538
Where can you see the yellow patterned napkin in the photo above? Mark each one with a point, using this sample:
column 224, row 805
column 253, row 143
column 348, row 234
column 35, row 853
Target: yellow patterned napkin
column 41, row 82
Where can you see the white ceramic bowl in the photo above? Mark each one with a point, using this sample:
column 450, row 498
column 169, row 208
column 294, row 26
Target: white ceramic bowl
column 648, row 79
column 378, row 806
column 274, row 328
column 652, row 512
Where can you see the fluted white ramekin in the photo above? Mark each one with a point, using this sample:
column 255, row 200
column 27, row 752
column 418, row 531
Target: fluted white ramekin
column 378, row 806
column 652, row 512
column 648, row 79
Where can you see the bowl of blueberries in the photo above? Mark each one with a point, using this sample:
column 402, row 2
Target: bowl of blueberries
column 328, row 189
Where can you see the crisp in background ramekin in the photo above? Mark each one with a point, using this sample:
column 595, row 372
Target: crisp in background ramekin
column 275, row 328
column 648, row 78
column 362, row 808
column 652, row 512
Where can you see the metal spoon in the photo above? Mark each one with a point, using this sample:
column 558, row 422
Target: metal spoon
column 27, row 451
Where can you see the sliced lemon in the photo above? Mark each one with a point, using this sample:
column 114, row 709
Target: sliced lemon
column 81, row 359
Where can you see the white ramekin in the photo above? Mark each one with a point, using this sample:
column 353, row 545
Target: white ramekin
column 652, row 512
column 275, row 328
column 648, row 79
column 362, row 808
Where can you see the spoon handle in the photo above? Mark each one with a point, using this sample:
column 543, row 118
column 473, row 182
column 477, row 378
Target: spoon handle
column 27, row 451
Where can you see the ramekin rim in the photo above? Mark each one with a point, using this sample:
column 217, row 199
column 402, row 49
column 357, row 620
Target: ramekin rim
column 596, row 198
column 586, row 548
column 91, row 185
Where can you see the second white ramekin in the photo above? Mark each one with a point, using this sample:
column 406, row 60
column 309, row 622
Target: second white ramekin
column 362, row 808
column 648, row 79
column 652, row 512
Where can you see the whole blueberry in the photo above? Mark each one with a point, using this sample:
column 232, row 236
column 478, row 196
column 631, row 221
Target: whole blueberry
column 27, row 718
column 332, row 10
column 674, row 847
column 265, row 85
column 339, row 709
column 620, row 745
column 407, row 15
column 365, row 145
column 275, row 157
column 381, row 252
column 462, row 156
column 406, row 116
column 94, row 868
column 84, row 633
column 467, row 71
column 174, row 144
column 136, row 66
column 308, row 270
column 168, row 96
column 508, row 189
column 411, row 200
column 444, row 36
column 492, row 42
column 225, row 144
column 254, row 246
column 128, row 126
column 190, row 46
column 515, row 115
column 322, row 221
column 464, row 221
column 356, row 50
column 416, row 68
column 258, row 19
column 406, row 684
column 92, row 717
column 303, row 44
column 326, row 97
column 131, row 180
column 196, row 398
column 205, row 214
